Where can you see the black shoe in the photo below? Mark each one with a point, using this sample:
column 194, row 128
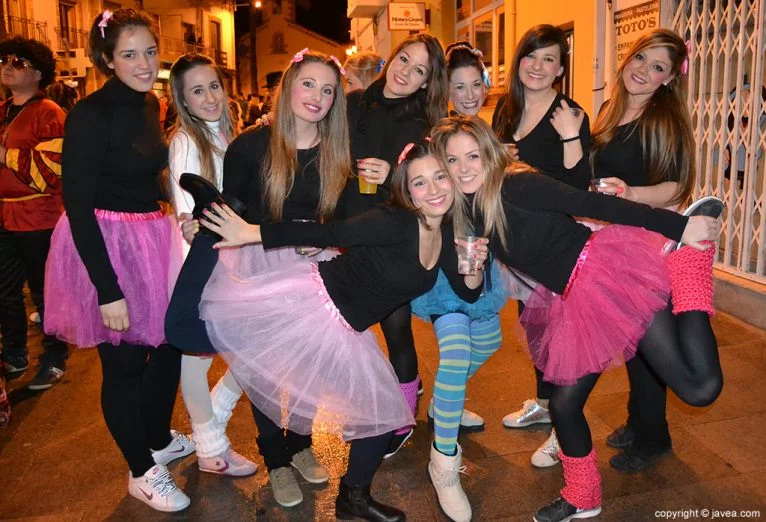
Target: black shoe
column 47, row 377
column 354, row 501
column 621, row 437
column 630, row 460
column 397, row 442
column 15, row 368
column 205, row 194
column 562, row 511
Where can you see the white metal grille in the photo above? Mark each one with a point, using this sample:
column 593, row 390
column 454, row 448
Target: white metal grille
column 726, row 79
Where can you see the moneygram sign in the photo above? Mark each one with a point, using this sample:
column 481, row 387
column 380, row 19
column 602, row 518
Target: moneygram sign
column 406, row 16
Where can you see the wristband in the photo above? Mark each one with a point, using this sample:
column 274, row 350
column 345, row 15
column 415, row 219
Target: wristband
column 567, row 140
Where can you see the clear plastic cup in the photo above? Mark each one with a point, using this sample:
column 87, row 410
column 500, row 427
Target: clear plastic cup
column 597, row 183
column 468, row 262
column 365, row 187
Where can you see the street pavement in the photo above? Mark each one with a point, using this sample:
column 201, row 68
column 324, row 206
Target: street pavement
column 58, row 462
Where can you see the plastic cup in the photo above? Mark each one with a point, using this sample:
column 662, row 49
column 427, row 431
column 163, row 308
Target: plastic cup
column 597, row 183
column 365, row 187
column 467, row 261
column 303, row 250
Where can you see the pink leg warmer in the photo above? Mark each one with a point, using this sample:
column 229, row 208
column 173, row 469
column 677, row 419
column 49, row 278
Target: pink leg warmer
column 583, row 481
column 410, row 392
column 691, row 278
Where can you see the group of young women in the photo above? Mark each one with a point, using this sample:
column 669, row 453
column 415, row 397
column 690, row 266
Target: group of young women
column 345, row 211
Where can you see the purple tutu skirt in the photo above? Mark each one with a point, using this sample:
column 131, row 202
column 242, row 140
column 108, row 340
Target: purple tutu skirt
column 295, row 356
column 619, row 283
column 141, row 249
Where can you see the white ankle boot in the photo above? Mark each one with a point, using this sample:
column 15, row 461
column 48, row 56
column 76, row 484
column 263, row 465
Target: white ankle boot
column 445, row 475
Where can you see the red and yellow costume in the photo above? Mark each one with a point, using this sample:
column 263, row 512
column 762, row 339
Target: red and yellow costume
column 30, row 178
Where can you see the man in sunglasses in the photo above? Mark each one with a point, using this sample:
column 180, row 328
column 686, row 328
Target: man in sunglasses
column 31, row 135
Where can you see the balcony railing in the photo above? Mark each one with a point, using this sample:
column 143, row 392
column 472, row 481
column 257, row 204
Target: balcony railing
column 70, row 38
column 28, row 28
column 172, row 48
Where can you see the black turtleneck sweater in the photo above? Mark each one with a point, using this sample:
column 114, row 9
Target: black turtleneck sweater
column 380, row 127
column 544, row 241
column 113, row 154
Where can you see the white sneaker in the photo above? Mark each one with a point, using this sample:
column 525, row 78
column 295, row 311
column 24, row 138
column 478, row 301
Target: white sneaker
column 228, row 463
column 547, row 455
column 531, row 413
column 180, row 446
column 445, row 476
column 469, row 421
column 158, row 489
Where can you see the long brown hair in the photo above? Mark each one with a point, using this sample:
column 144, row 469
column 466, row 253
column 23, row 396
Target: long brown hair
column 664, row 122
column 497, row 165
column 281, row 162
column 199, row 133
column 400, row 193
column 434, row 99
column 538, row 37
column 103, row 40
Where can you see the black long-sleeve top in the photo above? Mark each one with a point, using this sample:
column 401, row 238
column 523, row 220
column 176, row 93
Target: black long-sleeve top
column 380, row 127
column 543, row 239
column 623, row 157
column 243, row 179
column 542, row 147
column 381, row 270
column 112, row 158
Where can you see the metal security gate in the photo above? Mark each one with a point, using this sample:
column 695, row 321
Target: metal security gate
column 727, row 101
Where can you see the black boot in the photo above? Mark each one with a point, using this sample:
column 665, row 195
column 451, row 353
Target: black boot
column 354, row 501
column 205, row 194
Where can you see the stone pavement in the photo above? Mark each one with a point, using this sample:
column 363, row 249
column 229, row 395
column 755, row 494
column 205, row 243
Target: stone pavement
column 58, row 463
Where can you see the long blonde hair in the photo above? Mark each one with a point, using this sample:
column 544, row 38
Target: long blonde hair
column 664, row 123
column 366, row 66
column 497, row 165
column 199, row 133
column 281, row 162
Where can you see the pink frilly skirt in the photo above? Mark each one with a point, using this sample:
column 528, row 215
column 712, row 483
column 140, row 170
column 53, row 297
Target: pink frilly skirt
column 296, row 357
column 619, row 283
column 145, row 252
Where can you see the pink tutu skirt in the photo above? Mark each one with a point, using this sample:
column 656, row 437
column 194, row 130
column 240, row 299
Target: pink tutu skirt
column 295, row 356
column 141, row 249
column 618, row 284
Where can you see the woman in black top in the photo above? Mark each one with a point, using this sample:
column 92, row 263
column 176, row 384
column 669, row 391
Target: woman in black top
column 114, row 244
column 275, row 170
column 598, row 293
column 322, row 369
column 643, row 150
column 400, row 107
column 535, row 118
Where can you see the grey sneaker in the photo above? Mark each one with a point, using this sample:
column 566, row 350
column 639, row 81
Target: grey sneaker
column 47, row 377
column 709, row 206
column 531, row 413
column 286, row 491
column 306, row 464
column 547, row 455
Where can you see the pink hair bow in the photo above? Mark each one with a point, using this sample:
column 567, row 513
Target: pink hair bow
column 337, row 62
column 298, row 57
column 685, row 63
column 405, row 151
column 105, row 17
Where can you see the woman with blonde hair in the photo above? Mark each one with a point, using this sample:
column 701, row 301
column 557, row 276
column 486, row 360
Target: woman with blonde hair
column 295, row 169
column 643, row 150
column 620, row 276
column 361, row 70
column 199, row 139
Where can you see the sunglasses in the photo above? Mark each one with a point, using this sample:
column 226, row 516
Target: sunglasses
column 17, row 63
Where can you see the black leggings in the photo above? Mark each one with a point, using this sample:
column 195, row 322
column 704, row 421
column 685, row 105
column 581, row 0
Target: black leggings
column 683, row 352
column 544, row 388
column 397, row 330
column 138, row 392
column 277, row 445
column 647, row 407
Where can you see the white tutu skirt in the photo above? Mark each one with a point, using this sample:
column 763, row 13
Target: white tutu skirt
column 295, row 356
